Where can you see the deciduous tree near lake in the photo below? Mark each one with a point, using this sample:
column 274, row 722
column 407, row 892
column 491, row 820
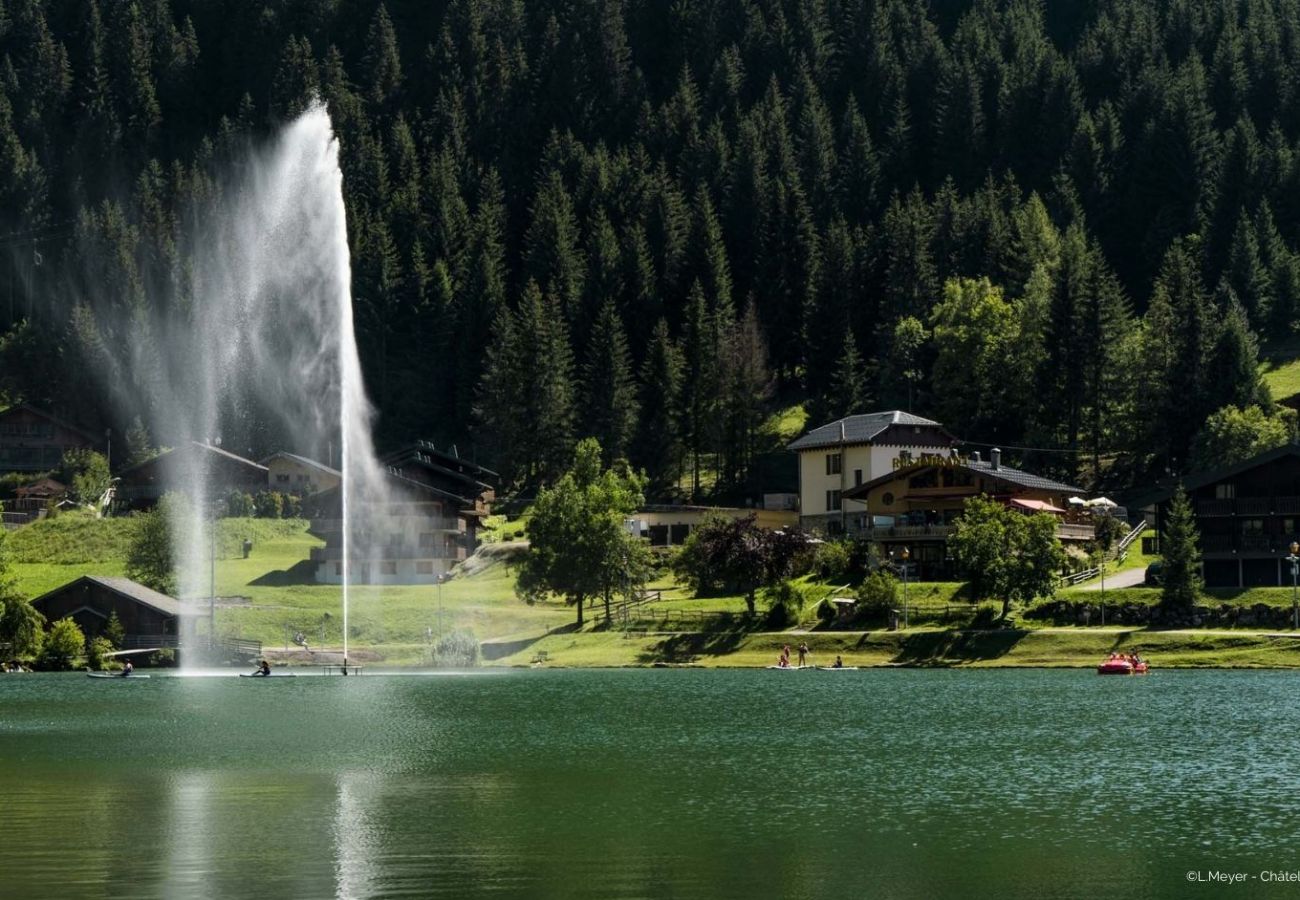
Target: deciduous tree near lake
column 736, row 554
column 1006, row 554
column 21, row 626
column 578, row 545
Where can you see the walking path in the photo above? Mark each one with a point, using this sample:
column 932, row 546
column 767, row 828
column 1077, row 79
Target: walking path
column 1125, row 578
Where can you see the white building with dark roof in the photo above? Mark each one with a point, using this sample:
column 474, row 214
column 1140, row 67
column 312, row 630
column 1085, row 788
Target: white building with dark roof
column 838, row 456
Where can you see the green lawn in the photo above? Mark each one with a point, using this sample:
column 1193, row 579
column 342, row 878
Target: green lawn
column 269, row 596
column 1280, row 368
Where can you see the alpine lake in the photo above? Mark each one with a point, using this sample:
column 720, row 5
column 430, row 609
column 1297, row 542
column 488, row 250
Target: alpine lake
column 652, row 783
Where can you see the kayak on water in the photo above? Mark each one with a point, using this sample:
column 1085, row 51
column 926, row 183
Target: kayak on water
column 837, row 668
column 111, row 675
column 280, row 675
column 792, row 668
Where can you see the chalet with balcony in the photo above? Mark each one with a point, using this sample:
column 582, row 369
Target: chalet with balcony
column 916, row 503
column 424, row 524
column 183, row 469
column 837, row 458
column 1247, row 516
column 32, row 440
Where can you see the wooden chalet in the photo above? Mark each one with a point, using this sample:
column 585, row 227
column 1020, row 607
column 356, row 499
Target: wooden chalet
column 149, row 619
column 180, row 469
column 32, row 440
column 427, row 523
column 1247, row 515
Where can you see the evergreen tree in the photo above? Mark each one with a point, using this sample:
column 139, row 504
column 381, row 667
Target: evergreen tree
column 850, row 386
column 746, row 388
column 658, row 448
column 610, row 407
column 554, row 259
column 383, row 64
column 1179, row 555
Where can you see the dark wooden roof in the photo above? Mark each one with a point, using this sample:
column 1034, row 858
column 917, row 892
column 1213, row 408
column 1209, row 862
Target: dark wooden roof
column 862, row 429
column 983, row 468
column 191, row 447
column 1206, row 477
column 123, row 587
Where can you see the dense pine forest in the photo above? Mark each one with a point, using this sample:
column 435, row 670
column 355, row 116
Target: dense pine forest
column 1064, row 226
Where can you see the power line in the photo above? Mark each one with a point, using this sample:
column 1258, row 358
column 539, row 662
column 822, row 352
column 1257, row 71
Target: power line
column 1022, row 449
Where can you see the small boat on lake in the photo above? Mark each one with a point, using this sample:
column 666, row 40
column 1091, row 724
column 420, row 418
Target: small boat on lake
column 115, row 675
column 1123, row 665
column 278, row 675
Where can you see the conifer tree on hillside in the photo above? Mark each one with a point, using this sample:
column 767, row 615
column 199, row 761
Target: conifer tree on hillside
column 658, row 447
column 610, row 406
column 1179, row 555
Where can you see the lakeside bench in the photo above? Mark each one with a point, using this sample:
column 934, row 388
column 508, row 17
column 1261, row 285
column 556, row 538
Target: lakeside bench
column 342, row 670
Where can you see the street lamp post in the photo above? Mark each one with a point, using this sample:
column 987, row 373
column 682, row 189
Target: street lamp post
column 1294, row 560
column 905, row 554
column 441, row 578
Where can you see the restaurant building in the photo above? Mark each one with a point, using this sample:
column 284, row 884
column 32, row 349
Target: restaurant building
column 917, row 502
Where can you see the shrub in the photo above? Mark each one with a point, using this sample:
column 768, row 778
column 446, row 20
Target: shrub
column 456, row 649
column 21, row 626
column 97, row 655
column 292, row 506
column 239, row 505
column 269, row 504
column 114, row 632
column 826, row 612
column 786, row 604
column 878, row 593
column 64, row 644
column 831, row 560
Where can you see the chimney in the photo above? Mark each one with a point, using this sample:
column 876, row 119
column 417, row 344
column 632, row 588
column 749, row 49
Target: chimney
column 975, row 456
column 995, row 458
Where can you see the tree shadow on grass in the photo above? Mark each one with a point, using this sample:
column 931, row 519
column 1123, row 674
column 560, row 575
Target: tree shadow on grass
column 688, row 647
column 949, row 648
column 301, row 572
column 492, row 650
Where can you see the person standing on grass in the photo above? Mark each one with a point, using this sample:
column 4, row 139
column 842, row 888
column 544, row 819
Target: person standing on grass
column 803, row 652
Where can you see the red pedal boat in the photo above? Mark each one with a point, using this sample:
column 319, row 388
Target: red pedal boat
column 1118, row 665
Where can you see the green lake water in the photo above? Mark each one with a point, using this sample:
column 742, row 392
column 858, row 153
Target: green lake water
column 650, row 783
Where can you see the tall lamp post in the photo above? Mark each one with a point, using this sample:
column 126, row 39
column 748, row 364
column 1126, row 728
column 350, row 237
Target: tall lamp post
column 1294, row 560
column 441, row 578
column 905, row 554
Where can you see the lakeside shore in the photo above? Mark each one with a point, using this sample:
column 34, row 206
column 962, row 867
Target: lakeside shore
column 919, row 648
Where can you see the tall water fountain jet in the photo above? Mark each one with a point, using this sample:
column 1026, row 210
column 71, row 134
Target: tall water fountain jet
column 259, row 338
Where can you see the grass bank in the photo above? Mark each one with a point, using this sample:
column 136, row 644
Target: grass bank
column 270, row 595
column 1034, row 648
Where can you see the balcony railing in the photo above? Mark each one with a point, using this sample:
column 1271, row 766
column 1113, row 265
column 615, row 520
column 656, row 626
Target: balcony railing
column 422, row 523
column 1249, row 506
column 942, row 532
column 1258, row 544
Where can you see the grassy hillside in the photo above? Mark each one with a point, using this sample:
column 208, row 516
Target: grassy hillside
column 1280, row 367
column 270, row 596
